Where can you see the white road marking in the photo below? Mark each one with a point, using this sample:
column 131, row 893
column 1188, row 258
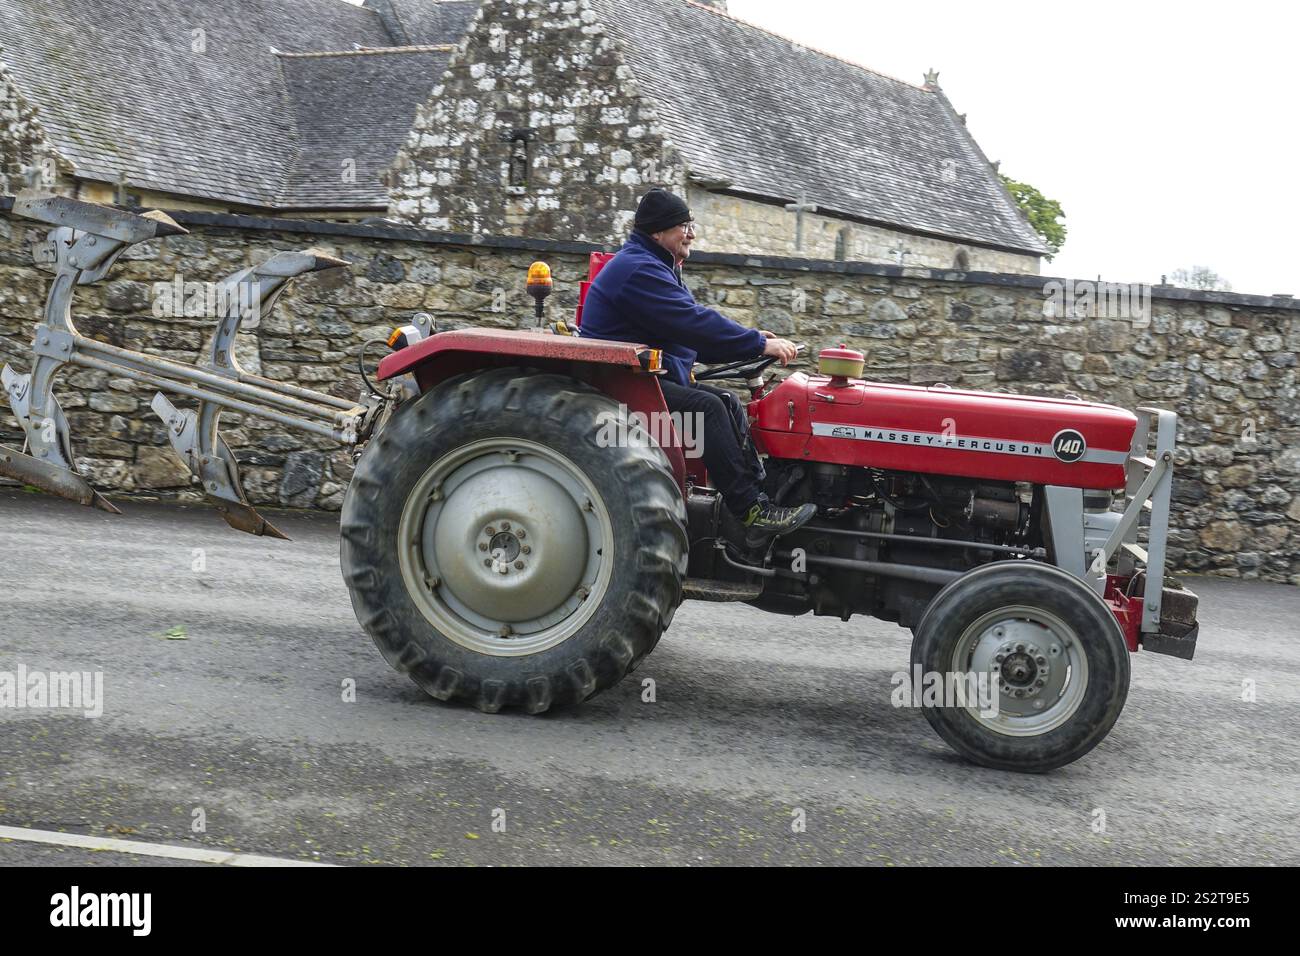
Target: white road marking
column 190, row 853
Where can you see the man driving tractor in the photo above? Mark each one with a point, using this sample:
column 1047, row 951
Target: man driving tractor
column 639, row 296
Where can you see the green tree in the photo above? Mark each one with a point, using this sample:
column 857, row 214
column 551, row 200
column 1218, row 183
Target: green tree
column 1044, row 214
column 1200, row 277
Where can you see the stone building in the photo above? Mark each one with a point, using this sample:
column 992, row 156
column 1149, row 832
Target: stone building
column 553, row 117
column 545, row 118
column 260, row 106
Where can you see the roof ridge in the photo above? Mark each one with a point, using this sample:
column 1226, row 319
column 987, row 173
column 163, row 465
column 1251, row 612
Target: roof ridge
column 286, row 98
column 401, row 24
column 812, row 49
column 367, row 50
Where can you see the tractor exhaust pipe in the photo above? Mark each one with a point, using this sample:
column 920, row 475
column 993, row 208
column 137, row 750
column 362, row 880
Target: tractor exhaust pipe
column 908, row 572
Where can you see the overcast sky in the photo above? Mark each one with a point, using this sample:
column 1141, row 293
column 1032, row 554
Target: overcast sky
column 1169, row 132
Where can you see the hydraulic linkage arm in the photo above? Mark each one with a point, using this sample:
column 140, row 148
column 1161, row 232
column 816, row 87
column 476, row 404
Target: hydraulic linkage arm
column 83, row 247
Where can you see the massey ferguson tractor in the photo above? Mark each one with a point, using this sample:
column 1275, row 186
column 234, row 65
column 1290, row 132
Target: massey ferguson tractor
column 502, row 551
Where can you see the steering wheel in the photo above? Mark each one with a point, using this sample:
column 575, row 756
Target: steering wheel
column 746, row 368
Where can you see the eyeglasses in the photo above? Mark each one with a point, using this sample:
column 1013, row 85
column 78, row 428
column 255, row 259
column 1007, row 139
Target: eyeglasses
column 689, row 227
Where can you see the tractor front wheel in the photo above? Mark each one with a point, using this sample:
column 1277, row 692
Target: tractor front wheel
column 502, row 553
column 1042, row 660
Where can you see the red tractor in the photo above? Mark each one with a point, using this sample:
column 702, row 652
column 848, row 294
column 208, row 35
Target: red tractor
column 519, row 532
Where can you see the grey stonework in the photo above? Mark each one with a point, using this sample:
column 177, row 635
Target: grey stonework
column 732, row 224
column 26, row 156
column 1226, row 363
column 544, row 80
column 549, row 122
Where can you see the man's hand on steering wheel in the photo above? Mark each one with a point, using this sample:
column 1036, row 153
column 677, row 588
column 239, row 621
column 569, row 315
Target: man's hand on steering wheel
column 780, row 349
column 748, row 368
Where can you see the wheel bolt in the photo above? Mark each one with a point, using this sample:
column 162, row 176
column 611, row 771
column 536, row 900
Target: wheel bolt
column 1020, row 648
column 505, row 526
column 526, row 550
column 482, row 545
column 519, row 565
column 520, row 534
column 489, row 531
column 487, row 562
column 1000, row 658
column 1041, row 659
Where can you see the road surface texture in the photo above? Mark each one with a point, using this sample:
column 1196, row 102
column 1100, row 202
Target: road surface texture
column 238, row 721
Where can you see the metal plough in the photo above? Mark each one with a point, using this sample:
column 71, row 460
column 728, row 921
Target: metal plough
column 82, row 248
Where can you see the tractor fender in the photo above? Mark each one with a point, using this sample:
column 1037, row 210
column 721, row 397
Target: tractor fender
column 610, row 367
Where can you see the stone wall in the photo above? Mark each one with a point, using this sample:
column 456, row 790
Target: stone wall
column 736, row 224
column 1226, row 363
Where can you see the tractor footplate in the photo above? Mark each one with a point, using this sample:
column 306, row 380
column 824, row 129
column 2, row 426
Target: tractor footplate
column 700, row 589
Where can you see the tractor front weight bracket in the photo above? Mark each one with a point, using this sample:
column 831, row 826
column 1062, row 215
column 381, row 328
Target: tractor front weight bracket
column 85, row 243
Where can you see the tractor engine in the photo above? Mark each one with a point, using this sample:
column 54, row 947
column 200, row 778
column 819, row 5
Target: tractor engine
column 883, row 542
column 878, row 533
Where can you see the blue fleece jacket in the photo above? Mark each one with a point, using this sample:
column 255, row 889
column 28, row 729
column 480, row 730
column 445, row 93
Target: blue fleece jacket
column 639, row 297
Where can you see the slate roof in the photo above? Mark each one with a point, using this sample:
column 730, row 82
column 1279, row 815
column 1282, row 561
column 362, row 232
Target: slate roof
column 752, row 110
column 355, row 107
column 417, row 22
column 119, row 90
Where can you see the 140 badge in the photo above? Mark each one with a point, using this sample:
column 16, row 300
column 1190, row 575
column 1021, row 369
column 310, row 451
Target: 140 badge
column 1069, row 445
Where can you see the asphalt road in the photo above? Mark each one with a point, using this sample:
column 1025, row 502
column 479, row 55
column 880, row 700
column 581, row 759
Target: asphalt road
column 756, row 717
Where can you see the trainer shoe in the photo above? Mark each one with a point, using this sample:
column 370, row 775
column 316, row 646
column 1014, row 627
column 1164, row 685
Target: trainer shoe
column 766, row 521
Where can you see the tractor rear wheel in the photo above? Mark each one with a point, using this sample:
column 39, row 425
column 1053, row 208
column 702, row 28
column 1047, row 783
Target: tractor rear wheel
column 1046, row 654
column 498, row 553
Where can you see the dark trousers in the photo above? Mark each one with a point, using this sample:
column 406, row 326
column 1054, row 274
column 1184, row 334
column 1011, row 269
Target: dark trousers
column 729, row 454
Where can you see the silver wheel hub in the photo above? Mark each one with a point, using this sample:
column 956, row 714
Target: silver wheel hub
column 1039, row 665
column 505, row 541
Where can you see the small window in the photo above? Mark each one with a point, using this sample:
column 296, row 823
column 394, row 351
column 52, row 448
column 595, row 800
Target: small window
column 520, row 158
column 842, row 244
column 519, row 162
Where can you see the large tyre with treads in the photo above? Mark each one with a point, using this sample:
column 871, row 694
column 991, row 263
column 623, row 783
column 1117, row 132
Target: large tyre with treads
column 502, row 551
column 1053, row 655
